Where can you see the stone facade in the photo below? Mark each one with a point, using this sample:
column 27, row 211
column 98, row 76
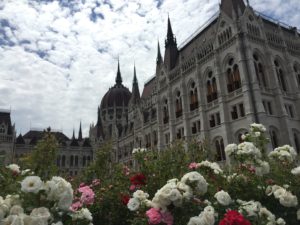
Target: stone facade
column 7, row 137
column 239, row 69
column 73, row 154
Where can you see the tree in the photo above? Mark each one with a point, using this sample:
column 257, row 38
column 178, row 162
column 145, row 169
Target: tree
column 42, row 160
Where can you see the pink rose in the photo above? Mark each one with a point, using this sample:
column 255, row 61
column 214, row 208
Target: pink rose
column 154, row 216
column 87, row 195
column 132, row 187
column 193, row 166
column 167, row 218
column 75, row 206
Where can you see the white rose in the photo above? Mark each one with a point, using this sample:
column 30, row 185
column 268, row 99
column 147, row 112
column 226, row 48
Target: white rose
column 58, row 223
column 32, row 184
column 223, row 198
column 288, row 199
column 296, row 171
column 14, row 167
column 16, row 210
column 41, row 213
column 280, row 221
column 84, row 213
column 298, row 214
column 230, row 149
column 139, row 194
column 195, row 221
column 133, row 204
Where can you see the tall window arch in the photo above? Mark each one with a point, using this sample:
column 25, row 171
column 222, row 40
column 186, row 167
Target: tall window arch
column 220, row 149
column 193, row 96
column 165, row 111
column 63, row 161
column 2, row 129
column 274, row 138
column 84, row 161
column 233, row 76
column 259, row 70
column 297, row 142
column 76, row 160
column 71, row 160
column 280, row 76
column 297, row 72
column 211, row 87
column 178, row 104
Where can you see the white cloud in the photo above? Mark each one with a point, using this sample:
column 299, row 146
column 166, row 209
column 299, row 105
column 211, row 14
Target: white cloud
column 60, row 61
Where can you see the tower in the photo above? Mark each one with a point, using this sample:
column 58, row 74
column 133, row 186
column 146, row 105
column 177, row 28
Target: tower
column 171, row 50
column 233, row 8
column 135, row 96
column 80, row 133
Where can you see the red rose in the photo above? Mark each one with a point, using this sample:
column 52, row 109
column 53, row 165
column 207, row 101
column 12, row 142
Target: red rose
column 234, row 218
column 138, row 179
column 125, row 199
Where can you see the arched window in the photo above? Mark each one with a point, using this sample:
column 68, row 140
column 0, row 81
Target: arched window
column 63, row 161
column 2, row 129
column 211, row 88
column 297, row 144
column 240, row 135
column 193, row 96
column 88, row 160
column 71, row 160
column 297, row 72
column 274, row 139
column 165, row 112
column 280, row 76
column 84, row 161
column 233, row 76
column 220, row 149
column 259, row 71
column 58, row 160
column 76, row 160
column 178, row 104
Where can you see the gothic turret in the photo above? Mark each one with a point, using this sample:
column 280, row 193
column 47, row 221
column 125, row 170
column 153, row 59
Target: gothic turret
column 118, row 77
column 99, row 126
column 74, row 141
column 135, row 96
column 233, row 8
column 80, row 133
column 158, row 58
column 171, row 51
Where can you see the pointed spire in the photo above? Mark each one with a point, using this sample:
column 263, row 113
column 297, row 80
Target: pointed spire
column 119, row 77
column 233, row 8
column 73, row 137
column 170, row 35
column 135, row 97
column 159, row 58
column 80, row 133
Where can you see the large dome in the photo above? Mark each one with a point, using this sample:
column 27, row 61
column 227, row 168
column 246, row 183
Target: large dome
column 117, row 95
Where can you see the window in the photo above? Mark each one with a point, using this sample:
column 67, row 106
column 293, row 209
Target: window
column 76, row 160
column 165, row 112
column 148, row 140
column 58, row 160
column 259, row 71
column 180, row 133
column 233, row 76
column 146, row 116
column 71, row 160
column 297, row 144
column 274, row 139
column 220, row 149
column 167, row 138
column 153, row 113
column 88, row 160
column 196, row 127
column 268, row 107
column 178, row 104
column 297, row 72
column 2, row 129
column 280, row 76
column 155, row 138
column 215, row 119
column 63, row 161
column 211, row 88
column 237, row 111
column 289, row 110
column 193, row 97
column 84, row 161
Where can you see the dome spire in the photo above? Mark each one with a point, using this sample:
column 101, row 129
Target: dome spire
column 119, row 77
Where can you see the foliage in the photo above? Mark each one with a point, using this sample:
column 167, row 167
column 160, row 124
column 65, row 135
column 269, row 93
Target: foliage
column 42, row 160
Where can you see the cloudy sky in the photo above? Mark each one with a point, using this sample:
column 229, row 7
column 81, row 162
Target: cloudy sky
column 58, row 58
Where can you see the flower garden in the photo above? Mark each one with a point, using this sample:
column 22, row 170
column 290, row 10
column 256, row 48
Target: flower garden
column 177, row 186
